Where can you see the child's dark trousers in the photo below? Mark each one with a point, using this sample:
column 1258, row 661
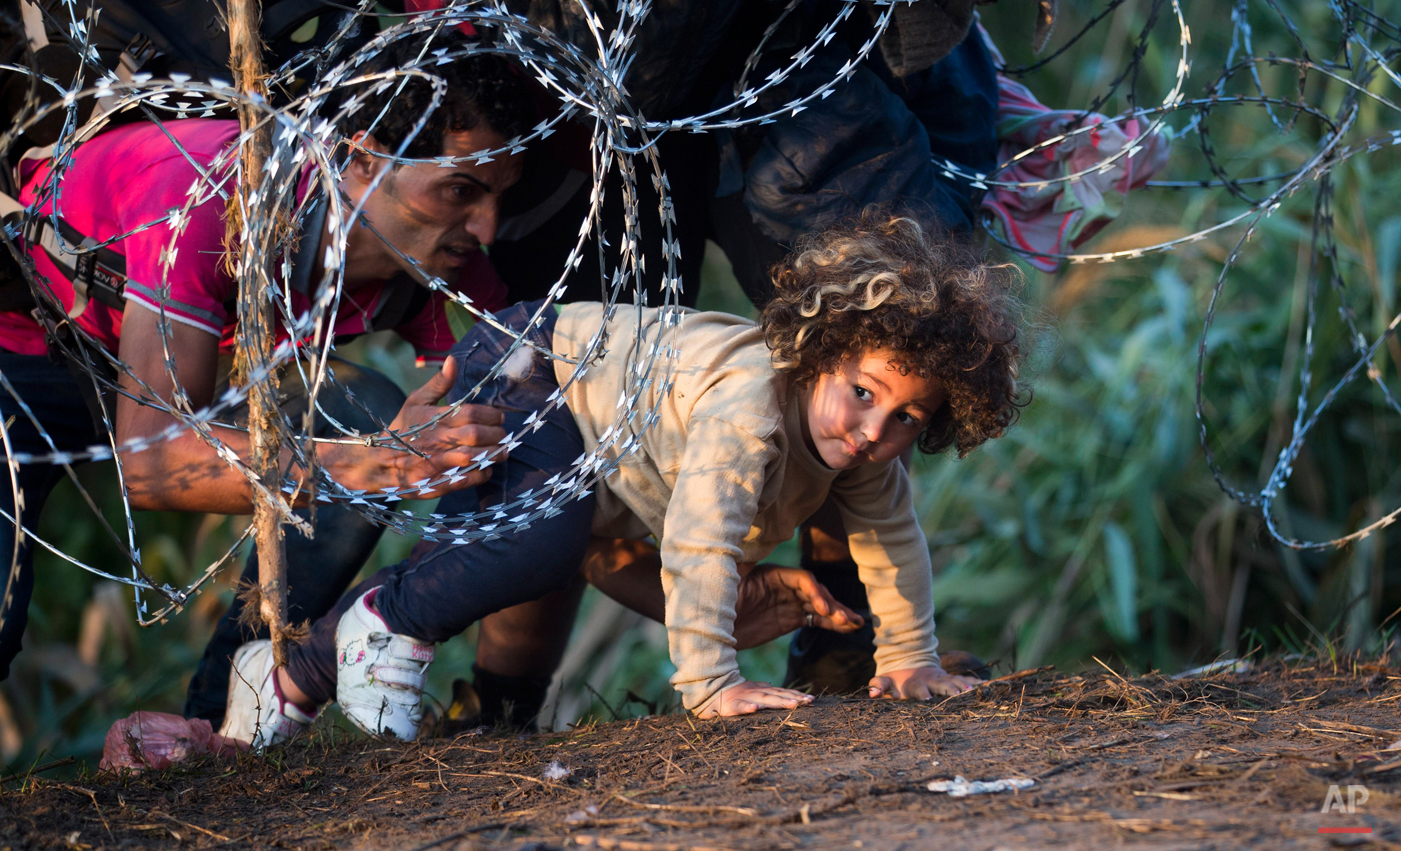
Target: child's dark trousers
column 438, row 592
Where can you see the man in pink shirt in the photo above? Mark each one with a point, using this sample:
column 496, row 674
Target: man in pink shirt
column 128, row 177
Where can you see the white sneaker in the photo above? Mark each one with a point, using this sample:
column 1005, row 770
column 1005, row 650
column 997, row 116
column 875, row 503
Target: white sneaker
column 379, row 675
column 257, row 713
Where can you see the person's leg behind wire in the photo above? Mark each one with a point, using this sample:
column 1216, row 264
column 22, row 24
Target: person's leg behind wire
column 53, row 397
column 319, row 568
column 437, row 593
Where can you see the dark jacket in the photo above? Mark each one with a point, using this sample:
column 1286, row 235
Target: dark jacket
column 873, row 140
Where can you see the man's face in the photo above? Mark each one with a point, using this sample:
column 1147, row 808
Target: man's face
column 866, row 412
column 437, row 216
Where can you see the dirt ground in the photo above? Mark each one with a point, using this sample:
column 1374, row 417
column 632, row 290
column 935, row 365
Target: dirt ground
column 1230, row 761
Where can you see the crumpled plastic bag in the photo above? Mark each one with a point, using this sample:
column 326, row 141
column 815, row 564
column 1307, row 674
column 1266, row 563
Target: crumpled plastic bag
column 158, row 740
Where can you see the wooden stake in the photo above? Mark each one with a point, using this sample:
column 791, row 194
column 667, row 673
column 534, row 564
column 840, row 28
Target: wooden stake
column 255, row 329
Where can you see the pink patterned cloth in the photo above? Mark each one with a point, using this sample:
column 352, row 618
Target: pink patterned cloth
column 1058, row 217
column 415, row 7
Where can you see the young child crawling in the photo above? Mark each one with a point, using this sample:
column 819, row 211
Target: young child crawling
column 882, row 335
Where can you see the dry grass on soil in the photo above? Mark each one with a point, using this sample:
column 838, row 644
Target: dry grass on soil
column 1229, row 761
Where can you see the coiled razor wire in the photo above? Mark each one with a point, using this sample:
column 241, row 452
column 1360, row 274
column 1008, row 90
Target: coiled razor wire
column 589, row 85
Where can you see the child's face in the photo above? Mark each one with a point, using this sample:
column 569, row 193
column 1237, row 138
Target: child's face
column 866, row 412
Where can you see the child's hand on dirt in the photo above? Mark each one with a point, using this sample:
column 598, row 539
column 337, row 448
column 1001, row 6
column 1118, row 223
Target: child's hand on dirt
column 773, row 601
column 747, row 698
column 920, row 684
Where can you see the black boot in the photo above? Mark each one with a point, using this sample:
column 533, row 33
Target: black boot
column 828, row 662
column 964, row 664
column 494, row 700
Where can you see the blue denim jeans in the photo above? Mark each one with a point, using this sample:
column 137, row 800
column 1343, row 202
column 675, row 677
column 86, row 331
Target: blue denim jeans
column 443, row 588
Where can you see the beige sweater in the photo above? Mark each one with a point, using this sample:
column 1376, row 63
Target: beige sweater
column 724, row 476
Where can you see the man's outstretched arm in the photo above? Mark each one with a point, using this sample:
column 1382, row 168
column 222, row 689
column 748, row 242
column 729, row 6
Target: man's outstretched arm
column 185, row 474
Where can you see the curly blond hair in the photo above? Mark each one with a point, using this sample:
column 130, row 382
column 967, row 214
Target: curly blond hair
column 887, row 282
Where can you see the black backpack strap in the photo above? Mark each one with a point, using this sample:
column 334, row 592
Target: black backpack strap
column 99, row 274
column 14, row 289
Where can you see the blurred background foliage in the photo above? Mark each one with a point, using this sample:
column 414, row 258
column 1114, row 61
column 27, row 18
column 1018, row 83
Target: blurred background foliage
column 1093, row 529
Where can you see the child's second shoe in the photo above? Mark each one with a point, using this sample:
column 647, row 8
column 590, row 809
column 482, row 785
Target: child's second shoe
column 257, row 712
column 379, row 674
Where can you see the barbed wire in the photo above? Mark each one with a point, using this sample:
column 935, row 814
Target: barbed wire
column 340, row 77
column 1327, row 155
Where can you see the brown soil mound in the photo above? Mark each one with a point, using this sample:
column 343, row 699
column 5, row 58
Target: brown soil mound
column 1230, row 761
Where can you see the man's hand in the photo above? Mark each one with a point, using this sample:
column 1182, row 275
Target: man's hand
column 455, row 441
column 774, row 601
column 748, row 698
column 920, row 684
